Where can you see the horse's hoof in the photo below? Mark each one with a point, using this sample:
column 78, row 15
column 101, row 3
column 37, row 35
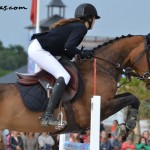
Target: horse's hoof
column 131, row 124
column 132, row 114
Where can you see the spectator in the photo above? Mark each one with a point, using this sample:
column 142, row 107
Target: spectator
column 56, row 141
column 142, row 144
column 75, row 137
column 5, row 133
column 1, row 141
column 8, row 147
column 113, row 127
column 86, row 137
column 116, row 143
column 102, row 127
column 16, row 142
column 104, row 141
column 31, row 142
column 45, row 141
column 146, row 135
column 128, row 144
column 24, row 137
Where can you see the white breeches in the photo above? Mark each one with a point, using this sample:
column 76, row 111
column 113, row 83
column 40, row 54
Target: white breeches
column 47, row 61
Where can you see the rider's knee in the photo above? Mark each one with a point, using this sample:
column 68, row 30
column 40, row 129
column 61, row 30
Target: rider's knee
column 66, row 77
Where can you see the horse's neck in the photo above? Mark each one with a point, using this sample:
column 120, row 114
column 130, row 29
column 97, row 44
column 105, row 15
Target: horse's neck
column 119, row 51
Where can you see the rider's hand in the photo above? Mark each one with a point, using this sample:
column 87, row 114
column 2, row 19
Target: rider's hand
column 87, row 54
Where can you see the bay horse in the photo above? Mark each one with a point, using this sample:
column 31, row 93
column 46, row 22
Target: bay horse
column 113, row 58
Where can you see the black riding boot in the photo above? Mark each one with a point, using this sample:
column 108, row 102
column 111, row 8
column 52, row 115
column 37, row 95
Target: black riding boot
column 57, row 91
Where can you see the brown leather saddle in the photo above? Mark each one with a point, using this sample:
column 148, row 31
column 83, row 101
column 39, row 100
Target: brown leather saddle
column 72, row 88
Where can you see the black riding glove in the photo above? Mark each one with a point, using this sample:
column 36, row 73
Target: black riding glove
column 86, row 54
column 70, row 53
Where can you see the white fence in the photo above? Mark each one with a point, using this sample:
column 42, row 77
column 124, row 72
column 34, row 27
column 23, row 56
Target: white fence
column 64, row 143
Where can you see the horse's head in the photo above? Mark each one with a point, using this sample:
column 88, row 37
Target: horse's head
column 127, row 52
column 139, row 60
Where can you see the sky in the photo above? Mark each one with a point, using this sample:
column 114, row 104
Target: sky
column 118, row 17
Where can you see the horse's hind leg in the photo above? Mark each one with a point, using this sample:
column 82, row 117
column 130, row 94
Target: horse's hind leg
column 121, row 101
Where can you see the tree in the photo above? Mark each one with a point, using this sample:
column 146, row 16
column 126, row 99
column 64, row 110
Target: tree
column 11, row 58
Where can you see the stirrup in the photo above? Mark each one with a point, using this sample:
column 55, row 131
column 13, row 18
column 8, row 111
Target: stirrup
column 61, row 123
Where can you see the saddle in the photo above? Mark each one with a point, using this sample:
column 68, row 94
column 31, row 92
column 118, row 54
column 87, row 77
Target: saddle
column 72, row 88
column 72, row 92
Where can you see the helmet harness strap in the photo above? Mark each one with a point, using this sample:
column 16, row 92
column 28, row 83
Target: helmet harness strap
column 90, row 21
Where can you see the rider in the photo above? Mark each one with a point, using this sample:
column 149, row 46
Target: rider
column 62, row 39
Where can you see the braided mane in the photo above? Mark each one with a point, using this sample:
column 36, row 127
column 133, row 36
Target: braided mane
column 111, row 41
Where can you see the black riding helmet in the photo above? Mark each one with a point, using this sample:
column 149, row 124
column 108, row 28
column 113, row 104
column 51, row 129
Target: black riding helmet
column 85, row 12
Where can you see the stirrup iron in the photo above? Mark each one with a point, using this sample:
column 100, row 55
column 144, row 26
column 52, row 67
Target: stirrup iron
column 61, row 123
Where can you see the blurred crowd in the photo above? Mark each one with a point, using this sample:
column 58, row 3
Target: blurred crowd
column 109, row 142
column 13, row 140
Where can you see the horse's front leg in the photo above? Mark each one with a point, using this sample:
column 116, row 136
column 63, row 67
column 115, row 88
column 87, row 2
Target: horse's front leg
column 121, row 101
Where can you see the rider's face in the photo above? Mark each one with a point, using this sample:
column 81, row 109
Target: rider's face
column 93, row 22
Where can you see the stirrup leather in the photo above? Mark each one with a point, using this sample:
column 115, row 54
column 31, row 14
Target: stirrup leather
column 61, row 123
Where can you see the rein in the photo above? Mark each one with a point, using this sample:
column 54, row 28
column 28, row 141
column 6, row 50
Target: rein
column 118, row 67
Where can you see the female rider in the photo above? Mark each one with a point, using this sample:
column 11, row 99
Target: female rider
column 62, row 39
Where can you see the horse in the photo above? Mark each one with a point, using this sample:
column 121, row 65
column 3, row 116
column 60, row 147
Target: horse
column 113, row 59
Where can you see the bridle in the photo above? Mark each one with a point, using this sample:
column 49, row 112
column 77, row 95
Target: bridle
column 146, row 75
column 129, row 72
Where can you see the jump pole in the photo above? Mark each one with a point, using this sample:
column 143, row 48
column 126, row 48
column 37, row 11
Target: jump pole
column 62, row 139
column 95, row 120
column 95, row 116
column 95, row 123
